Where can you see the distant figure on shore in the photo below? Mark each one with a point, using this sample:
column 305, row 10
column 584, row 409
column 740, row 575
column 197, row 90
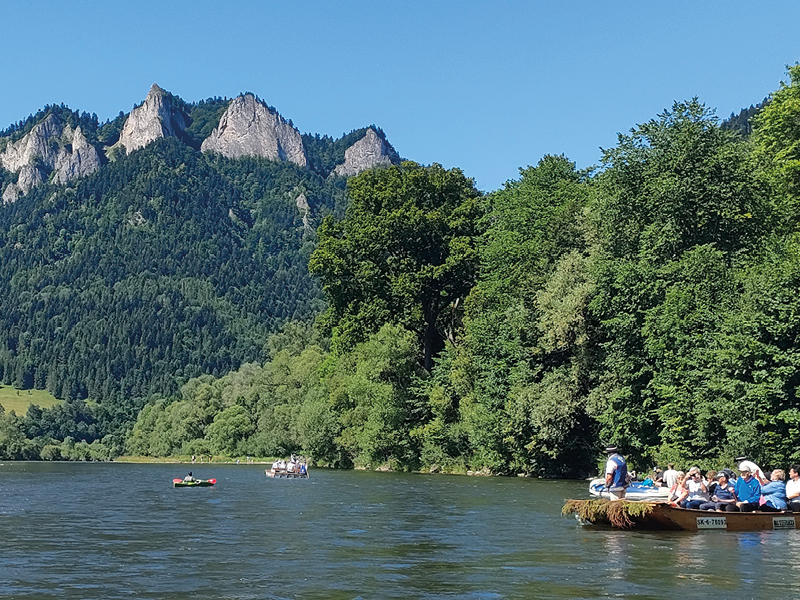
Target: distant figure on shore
column 192, row 458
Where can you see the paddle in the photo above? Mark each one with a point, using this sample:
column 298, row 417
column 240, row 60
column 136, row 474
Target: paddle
column 177, row 480
column 214, row 481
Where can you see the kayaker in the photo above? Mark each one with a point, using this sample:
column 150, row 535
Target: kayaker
column 616, row 474
column 189, row 477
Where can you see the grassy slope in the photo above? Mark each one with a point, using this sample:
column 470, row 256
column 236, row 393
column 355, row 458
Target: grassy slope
column 19, row 403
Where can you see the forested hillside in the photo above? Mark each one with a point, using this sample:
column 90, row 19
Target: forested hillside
column 161, row 266
column 650, row 303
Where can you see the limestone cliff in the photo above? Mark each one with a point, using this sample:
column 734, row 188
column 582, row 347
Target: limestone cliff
column 304, row 208
column 156, row 118
column 368, row 152
column 51, row 147
column 249, row 128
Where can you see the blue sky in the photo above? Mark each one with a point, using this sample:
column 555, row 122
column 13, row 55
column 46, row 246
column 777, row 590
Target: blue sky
column 485, row 86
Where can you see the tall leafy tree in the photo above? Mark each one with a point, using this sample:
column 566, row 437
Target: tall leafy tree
column 405, row 253
column 680, row 205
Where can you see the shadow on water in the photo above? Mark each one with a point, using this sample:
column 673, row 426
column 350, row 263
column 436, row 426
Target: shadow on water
column 122, row 531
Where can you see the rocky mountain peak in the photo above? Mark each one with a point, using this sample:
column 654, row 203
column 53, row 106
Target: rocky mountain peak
column 50, row 147
column 156, row 118
column 368, row 152
column 250, row 128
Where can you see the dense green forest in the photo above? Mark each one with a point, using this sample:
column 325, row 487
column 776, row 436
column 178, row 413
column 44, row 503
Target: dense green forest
column 162, row 266
column 650, row 302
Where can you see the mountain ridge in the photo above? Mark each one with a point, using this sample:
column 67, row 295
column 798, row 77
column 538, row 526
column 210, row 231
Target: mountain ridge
column 222, row 126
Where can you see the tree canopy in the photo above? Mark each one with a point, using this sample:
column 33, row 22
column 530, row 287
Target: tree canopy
column 404, row 253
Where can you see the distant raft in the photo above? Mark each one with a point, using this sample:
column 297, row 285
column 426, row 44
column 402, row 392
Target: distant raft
column 292, row 469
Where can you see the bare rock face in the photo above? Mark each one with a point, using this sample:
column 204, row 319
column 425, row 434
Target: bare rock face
column 304, row 209
column 249, row 128
column 50, row 147
column 35, row 144
column 368, row 152
column 155, row 119
column 82, row 161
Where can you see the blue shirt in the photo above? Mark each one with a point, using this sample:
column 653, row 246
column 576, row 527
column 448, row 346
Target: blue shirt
column 748, row 491
column 775, row 494
column 724, row 492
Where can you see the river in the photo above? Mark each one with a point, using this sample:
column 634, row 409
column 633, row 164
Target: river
column 108, row 530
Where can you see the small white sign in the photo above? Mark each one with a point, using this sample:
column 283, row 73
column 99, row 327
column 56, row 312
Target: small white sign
column 783, row 523
column 712, row 523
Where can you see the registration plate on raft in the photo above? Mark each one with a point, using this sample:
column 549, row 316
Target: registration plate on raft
column 783, row 523
column 712, row 523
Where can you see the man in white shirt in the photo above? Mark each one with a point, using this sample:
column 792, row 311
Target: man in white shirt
column 670, row 477
column 793, row 488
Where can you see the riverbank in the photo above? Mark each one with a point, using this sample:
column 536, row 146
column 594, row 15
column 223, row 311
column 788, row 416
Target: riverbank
column 243, row 460
column 224, row 460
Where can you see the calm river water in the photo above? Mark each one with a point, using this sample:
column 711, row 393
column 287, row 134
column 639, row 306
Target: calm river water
column 122, row 531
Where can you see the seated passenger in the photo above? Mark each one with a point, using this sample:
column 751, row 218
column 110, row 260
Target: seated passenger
column 696, row 488
column 677, row 492
column 189, row 477
column 753, row 468
column 747, row 489
column 711, row 482
column 658, row 477
column 793, row 488
column 774, row 492
column 723, row 498
column 730, row 475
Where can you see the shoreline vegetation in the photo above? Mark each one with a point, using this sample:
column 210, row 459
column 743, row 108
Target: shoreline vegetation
column 226, row 460
column 649, row 303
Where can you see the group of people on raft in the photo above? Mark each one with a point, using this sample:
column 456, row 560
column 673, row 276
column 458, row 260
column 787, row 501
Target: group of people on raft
column 293, row 465
column 721, row 491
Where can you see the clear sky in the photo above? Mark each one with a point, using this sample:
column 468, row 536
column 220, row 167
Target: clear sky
column 485, row 86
